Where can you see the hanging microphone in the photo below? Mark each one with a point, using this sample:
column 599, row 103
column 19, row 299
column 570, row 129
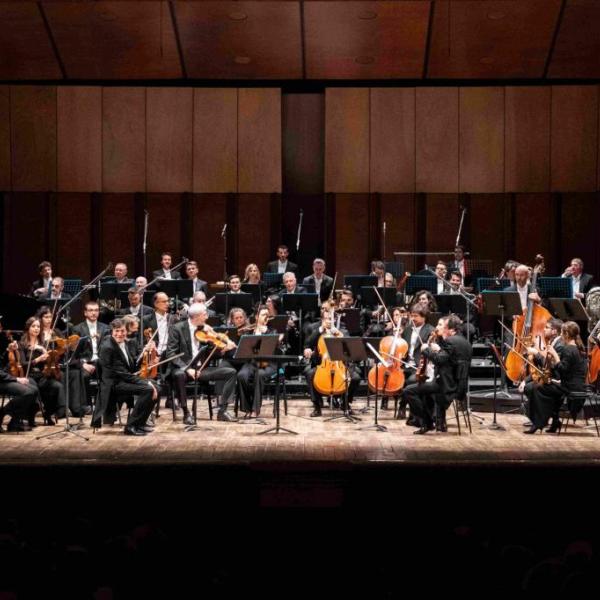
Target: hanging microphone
column 224, row 230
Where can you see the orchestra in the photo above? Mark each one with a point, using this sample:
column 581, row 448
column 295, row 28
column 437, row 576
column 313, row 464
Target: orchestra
column 544, row 357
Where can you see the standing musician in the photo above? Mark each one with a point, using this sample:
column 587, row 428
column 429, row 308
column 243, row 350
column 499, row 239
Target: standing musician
column 184, row 338
column 282, row 264
column 582, row 282
column 166, row 260
column 323, row 283
column 191, row 270
column 523, row 286
column 461, row 265
column 311, row 353
column 42, row 286
column 253, row 375
column 570, row 365
column 235, row 284
column 451, row 356
column 118, row 367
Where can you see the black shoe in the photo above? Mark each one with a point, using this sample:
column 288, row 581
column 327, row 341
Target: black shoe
column 168, row 403
column 133, row 431
column 555, row 427
column 316, row 413
column 533, row 429
column 49, row 421
column 224, row 416
column 401, row 414
column 335, row 403
column 384, row 404
column 188, row 419
column 441, row 426
column 87, row 410
column 423, row 430
column 146, row 428
column 17, row 425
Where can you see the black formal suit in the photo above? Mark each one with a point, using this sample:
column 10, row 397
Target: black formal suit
column 297, row 290
column 40, row 283
column 22, row 399
column 273, row 267
column 118, row 378
column 161, row 273
column 180, row 340
column 326, row 285
column 201, row 286
column 424, row 334
column 585, row 282
column 85, row 352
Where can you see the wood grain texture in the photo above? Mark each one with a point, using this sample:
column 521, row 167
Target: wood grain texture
column 79, row 126
column 533, row 228
column 123, row 139
column 527, row 139
column 579, row 232
column 481, row 140
column 73, row 213
column 486, row 220
column 347, row 140
column 574, row 145
column 392, row 155
column 441, row 224
column 398, row 212
column 259, row 140
column 215, row 140
column 437, row 140
column 169, row 139
column 33, row 138
column 352, row 227
column 5, row 184
column 118, row 230
column 164, row 229
column 254, row 223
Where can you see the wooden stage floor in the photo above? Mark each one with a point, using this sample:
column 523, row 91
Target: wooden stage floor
column 318, row 442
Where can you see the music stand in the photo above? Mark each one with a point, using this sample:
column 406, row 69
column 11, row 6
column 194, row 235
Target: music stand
column 451, row 303
column 491, row 283
column 555, row 287
column 346, row 350
column 255, row 289
column 372, row 349
column 262, row 347
column 301, row 304
column 273, row 280
column 279, row 323
column 396, row 268
column 176, row 288
column 499, row 304
column 498, row 358
column 224, row 302
column 417, row 283
column 351, row 320
column 569, row 309
column 198, row 368
column 368, row 296
column 111, row 290
column 355, row 282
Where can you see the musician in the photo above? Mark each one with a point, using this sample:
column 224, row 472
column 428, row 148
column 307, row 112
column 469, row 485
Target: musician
column 191, row 270
column 323, row 283
column 165, row 272
column 378, row 270
column 43, row 285
column 159, row 319
column 426, row 298
column 460, row 264
column 132, row 328
column 57, row 290
column 118, row 367
column 441, row 271
column 282, row 264
column 582, row 282
column 509, row 269
column 235, row 284
column 183, row 339
column 47, row 333
column 451, row 357
column 253, row 375
column 136, row 307
column 455, row 287
column 120, row 274
column 252, row 274
column 523, row 286
column 290, row 285
column 140, row 282
column 571, row 366
column 346, row 299
column 311, row 353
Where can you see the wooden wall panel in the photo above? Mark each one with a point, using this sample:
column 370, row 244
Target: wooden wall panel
column 254, row 225
column 398, row 212
column 164, row 230
column 437, row 140
column 5, row 138
column 169, row 139
column 118, row 230
column 79, row 117
column 527, row 139
column 25, row 239
column 481, row 139
column 574, row 143
column 259, row 140
column 209, row 214
column 215, row 140
column 124, row 139
column 347, row 140
column 441, row 225
column 392, row 155
column 33, row 138
column 534, row 229
column 352, row 231
column 72, row 247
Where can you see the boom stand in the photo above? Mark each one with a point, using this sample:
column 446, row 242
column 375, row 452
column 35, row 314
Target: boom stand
column 345, row 350
column 498, row 358
column 374, row 342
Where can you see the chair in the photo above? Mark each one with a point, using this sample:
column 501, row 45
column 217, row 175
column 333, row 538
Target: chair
column 204, row 389
column 574, row 402
column 461, row 405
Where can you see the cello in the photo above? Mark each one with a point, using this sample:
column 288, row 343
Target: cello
column 330, row 375
column 525, row 328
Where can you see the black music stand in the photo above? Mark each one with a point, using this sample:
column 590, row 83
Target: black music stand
column 224, row 302
column 498, row 358
column 374, row 341
column 373, row 351
column 351, row 320
column 198, row 363
column 491, row 283
column 262, row 348
column 273, row 281
column 356, row 282
column 346, row 350
column 176, row 288
column 568, row 309
column 418, row 283
column 451, row 303
column 301, row 304
column 111, row 290
column 500, row 304
column 369, row 297
column 279, row 323
column 555, row 287
column 257, row 290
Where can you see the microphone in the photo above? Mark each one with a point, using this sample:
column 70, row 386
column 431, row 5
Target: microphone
column 224, row 230
column 384, row 227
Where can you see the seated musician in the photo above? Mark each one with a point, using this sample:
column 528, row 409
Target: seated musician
column 253, row 375
column 120, row 274
column 378, row 270
column 183, row 339
column 191, row 270
column 426, row 298
column 165, row 272
column 159, row 319
column 42, row 286
column 323, row 283
column 235, row 284
column 570, row 365
column 541, row 359
column 118, row 372
column 57, row 290
column 461, row 264
column 311, row 353
column 451, row 356
column 252, row 274
column 455, row 287
column 290, row 285
column 237, row 318
column 136, row 306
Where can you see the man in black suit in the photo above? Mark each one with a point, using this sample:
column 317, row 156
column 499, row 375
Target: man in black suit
column 56, row 290
column 522, row 285
column 582, row 282
column 165, row 272
column 183, row 339
column 451, row 357
column 323, row 283
column 93, row 333
column 282, row 264
column 159, row 320
column 118, row 369
column 42, row 286
column 136, row 306
column 191, row 270
column 290, row 285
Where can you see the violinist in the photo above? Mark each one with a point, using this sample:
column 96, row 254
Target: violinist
column 570, row 366
column 159, row 320
column 118, row 368
column 34, row 357
column 238, row 319
column 450, row 353
column 326, row 327
column 253, row 376
column 47, row 332
column 184, row 338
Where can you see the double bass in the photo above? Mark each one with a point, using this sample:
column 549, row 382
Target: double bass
column 525, row 328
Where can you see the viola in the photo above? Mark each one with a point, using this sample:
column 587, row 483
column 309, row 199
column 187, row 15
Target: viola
column 14, row 359
column 51, row 368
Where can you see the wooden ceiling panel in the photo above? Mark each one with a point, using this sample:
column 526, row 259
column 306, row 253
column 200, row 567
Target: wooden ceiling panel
column 25, row 49
column 577, row 50
column 492, row 39
column 365, row 40
column 115, row 40
column 241, row 40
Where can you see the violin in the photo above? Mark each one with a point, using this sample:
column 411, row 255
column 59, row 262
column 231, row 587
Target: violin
column 14, row 359
column 149, row 366
column 421, row 373
column 210, row 336
column 51, row 369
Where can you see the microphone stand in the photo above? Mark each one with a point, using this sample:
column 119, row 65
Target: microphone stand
column 68, row 428
column 224, row 236
column 146, row 219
